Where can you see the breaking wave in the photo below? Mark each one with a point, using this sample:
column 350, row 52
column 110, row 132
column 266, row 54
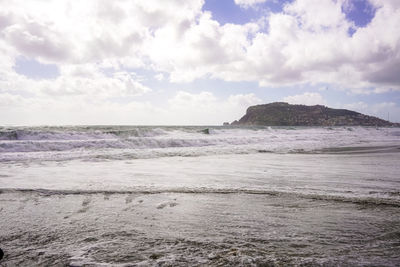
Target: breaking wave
column 76, row 133
column 115, row 142
column 374, row 201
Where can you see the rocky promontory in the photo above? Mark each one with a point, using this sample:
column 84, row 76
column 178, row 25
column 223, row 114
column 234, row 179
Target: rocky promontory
column 284, row 114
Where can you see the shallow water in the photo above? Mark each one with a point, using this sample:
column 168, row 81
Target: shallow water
column 258, row 196
column 191, row 229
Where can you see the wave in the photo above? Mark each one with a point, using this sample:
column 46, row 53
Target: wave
column 124, row 154
column 368, row 201
column 127, row 143
column 76, row 133
column 357, row 150
column 130, row 142
column 108, row 154
column 110, row 132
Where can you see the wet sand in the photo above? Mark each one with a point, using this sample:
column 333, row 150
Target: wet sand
column 194, row 229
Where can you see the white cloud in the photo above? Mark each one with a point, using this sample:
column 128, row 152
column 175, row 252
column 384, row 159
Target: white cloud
column 39, row 111
column 201, row 101
column 62, row 31
column 306, row 99
column 317, row 15
column 204, row 49
column 306, row 43
column 10, row 100
column 37, row 40
column 76, row 80
column 243, row 101
column 159, row 77
column 389, row 3
column 205, row 108
column 183, row 109
column 248, row 3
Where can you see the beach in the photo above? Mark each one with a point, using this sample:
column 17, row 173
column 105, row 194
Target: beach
column 176, row 196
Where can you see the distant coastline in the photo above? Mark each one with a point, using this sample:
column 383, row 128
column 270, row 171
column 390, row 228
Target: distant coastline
column 284, row 114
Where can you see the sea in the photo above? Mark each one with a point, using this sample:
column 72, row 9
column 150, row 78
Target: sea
column 199, row 196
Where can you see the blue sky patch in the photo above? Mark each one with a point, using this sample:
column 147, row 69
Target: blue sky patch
column 33, row 69
column 361, row 12
column 226, row 11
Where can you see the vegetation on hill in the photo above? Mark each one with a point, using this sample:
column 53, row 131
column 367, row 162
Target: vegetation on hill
column 284, row 114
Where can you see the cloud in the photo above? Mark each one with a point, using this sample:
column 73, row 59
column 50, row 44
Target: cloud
column 243, row 100
column 204, row 49
column 181, row 40
column 183, row 108
column 159, row 77
column 201, row 101
column 97, row 43
column 306, row 99
column 10, row 100
column 301, row 46
column 53, row 111
column 60, row 31
column 205, row 108
column 248, row 3
column 317, row 15
column 6, row 19
column 96, row 85
column 87, row 81
column 37, row 40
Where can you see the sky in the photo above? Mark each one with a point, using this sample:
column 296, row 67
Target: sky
column 194, row 62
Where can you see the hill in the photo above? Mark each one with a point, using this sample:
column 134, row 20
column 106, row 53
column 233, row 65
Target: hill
column 284, row 114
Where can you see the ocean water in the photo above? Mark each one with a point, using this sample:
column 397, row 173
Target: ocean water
column 199, row 196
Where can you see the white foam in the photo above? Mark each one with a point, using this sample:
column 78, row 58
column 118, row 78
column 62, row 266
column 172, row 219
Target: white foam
column 115, row 143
